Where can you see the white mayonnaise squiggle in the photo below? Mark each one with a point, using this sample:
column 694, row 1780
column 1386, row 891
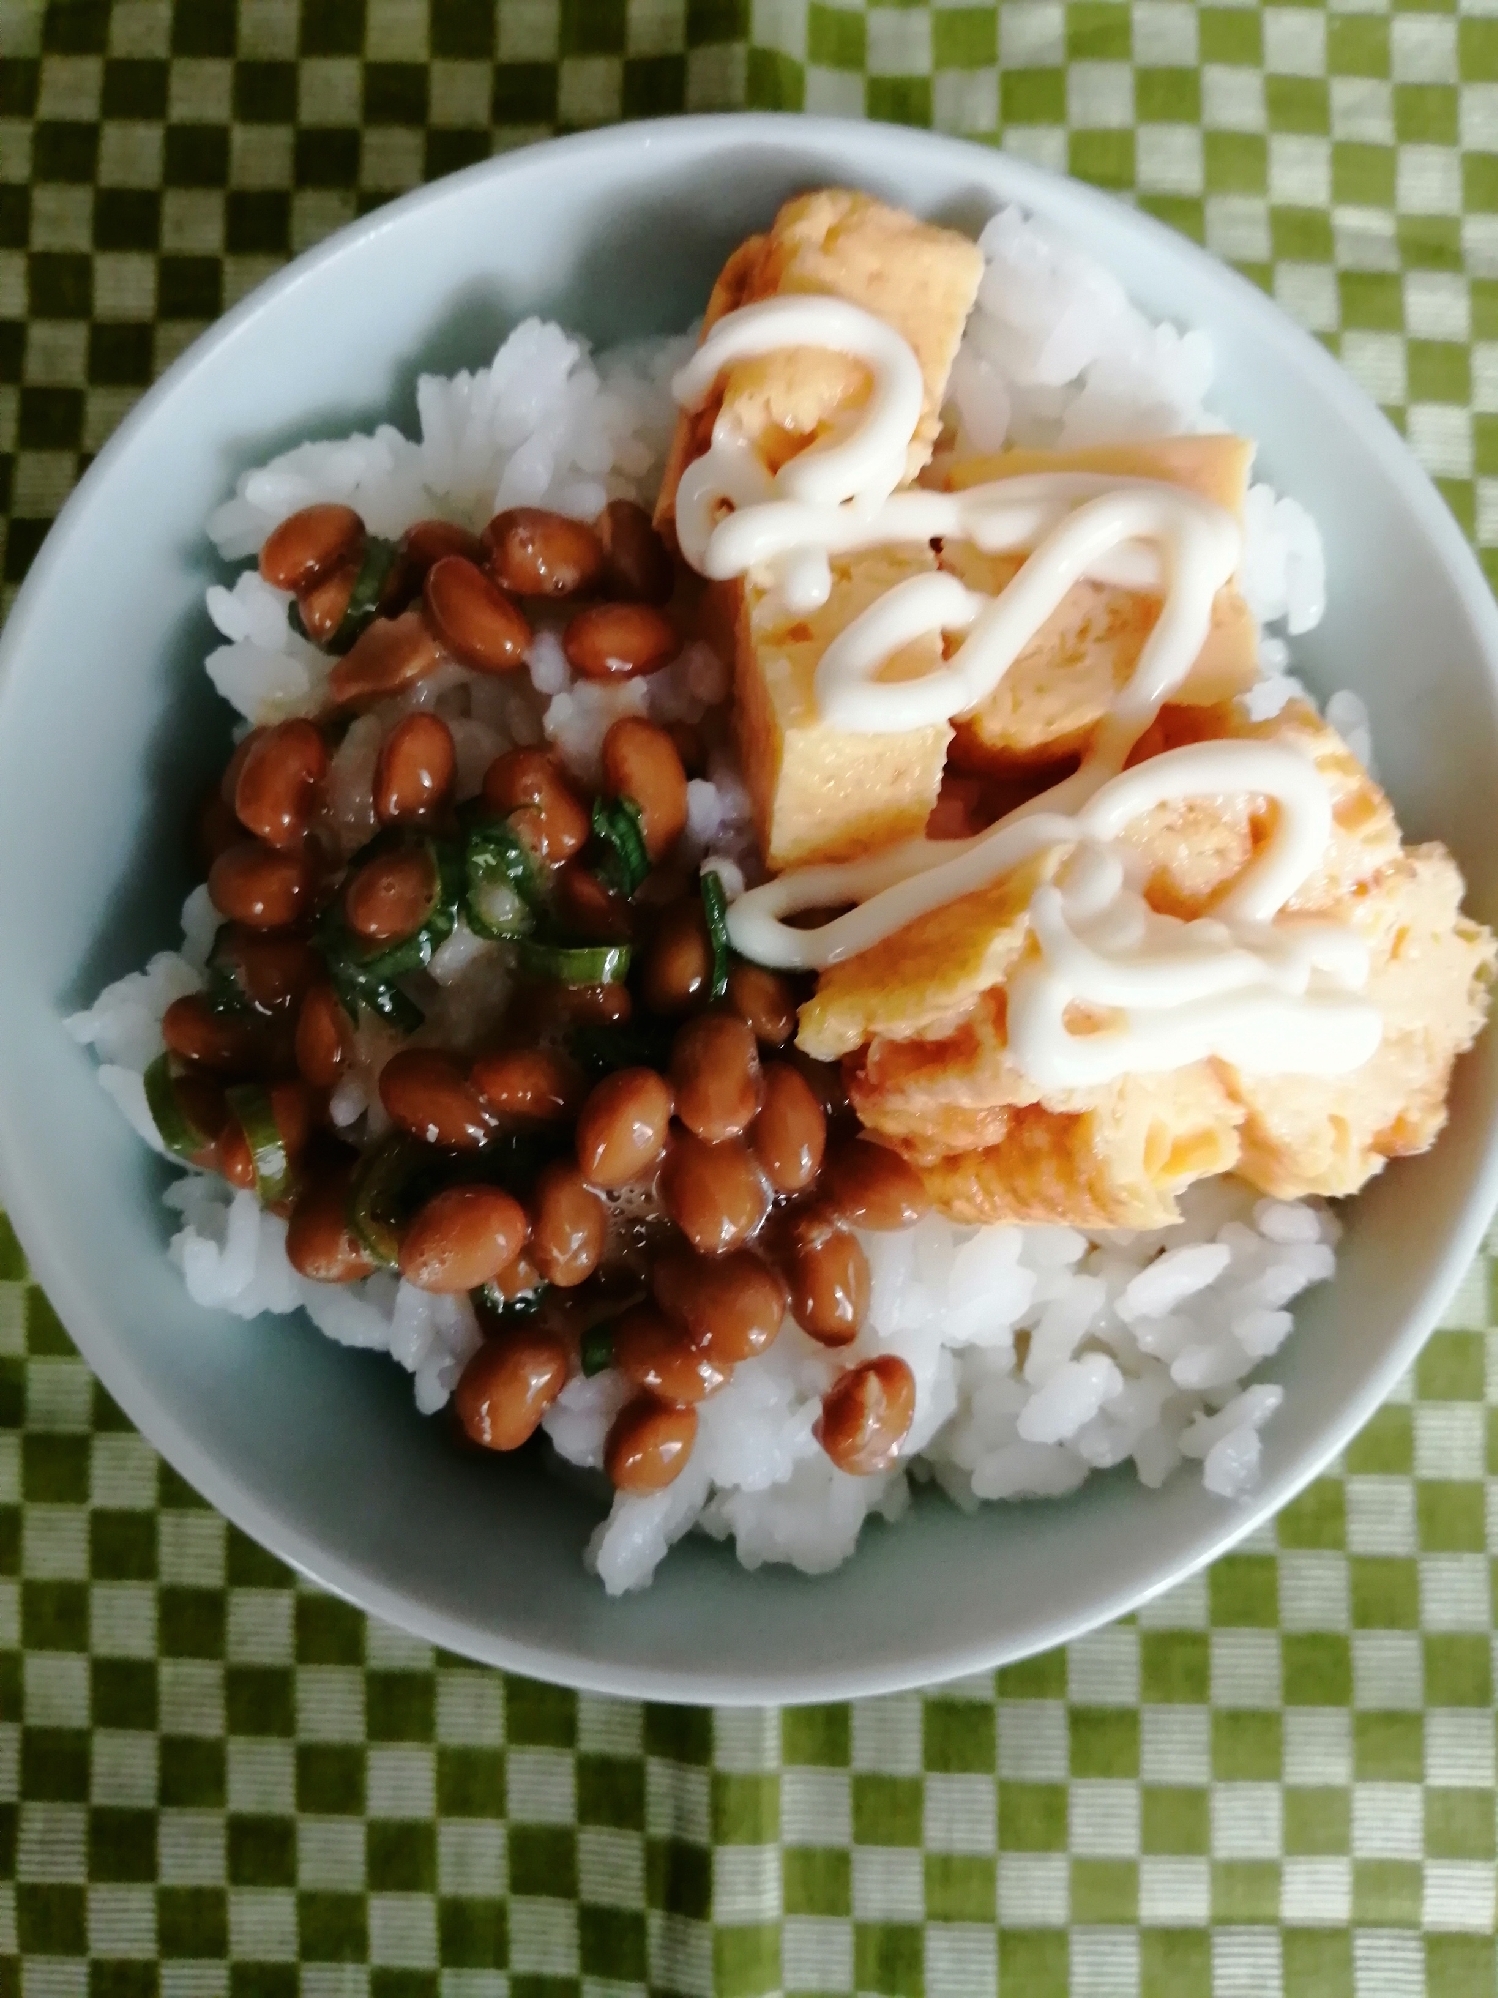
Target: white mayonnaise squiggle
column 1249, row 985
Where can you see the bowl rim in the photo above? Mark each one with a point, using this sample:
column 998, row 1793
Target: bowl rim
column 360, row 1583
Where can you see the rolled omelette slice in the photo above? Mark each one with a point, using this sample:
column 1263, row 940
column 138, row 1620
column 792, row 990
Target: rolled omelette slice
column 818, row 792
column 1061, row 685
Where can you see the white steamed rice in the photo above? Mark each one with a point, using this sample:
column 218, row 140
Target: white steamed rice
column 1040, row 1354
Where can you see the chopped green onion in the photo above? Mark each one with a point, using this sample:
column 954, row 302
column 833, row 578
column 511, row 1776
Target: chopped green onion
column 619, row 824
column 383, row 1194
column 715, row 908
column 274, row 1173
column 179, row 1133
column 366, row 978
column 364, row 598
column 502, row 888
column 596, row 1349
column 576, row 964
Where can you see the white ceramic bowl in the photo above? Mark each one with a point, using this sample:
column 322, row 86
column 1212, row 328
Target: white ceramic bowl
column 107, row 725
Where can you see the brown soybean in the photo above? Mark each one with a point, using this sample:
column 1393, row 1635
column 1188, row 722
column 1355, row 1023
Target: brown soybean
column 530, row 787
column 415, row 770
column 829, row 1278
column 866, row 1415
column 213, row 831
column 473, row 617
column 278, row 784
column 637, row 564
column 319, row 1241
column 678, row 965
column 789, row 1135
column 765, row 1000
column 587, row 907
column 391, row 653
column 622, row 1129
column 229, row 782
column 324, row 604
column 734, row 1304
column 665, row 1359
column 873, row 1187
column 619, row 641
column 640, row 762
column 391, row 895
column 427, row 541
column 462, row 1237
column 715, row 1074
column 569, row 1225
column 309, row 544
column 537, row 553
column 536, row 1085
column 291, row 1110
column 427, row 1094
column 714, row 1193
column 323, row 1033
column 649, row 1444
column 260, row 886
column 508, row 1386
column 218, row 1042
column 539, row 1008
column 272, row 972
column 201, row 1100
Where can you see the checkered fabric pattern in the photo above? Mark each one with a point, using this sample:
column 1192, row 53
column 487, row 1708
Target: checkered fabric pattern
column 216, row 1782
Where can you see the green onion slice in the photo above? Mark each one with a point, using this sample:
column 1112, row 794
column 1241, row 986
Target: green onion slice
column 619, row 824
column 181, row 1136
column 275, row 1175
column 715, row 908
column 596, row 1349
column 364, row 599
column 501, row 883
column 576, row 964
column 384, row 1193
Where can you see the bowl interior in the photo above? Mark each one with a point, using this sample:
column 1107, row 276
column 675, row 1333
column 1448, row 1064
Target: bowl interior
column 108, row 727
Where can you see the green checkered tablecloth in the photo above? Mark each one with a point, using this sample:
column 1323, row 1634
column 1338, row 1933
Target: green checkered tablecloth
column 216, row 1782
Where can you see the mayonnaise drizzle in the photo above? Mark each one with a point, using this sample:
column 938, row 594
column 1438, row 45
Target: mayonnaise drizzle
column 1249, row 985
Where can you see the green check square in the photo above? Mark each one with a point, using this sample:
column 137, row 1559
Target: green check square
column 887, row 1810
column 1104, row 1741
column 1317, row 1669
column 1459, row 1824
column 745, row 1809
column 1247, row 1747
column 958, row 1736
column 611, row 1791
column 817, row 1880
column 1387, row 1891
column 472, row 1933
column 1173, row 1818
column 1316, row 1517
column 959, row 1887
column 1458, row 1670
column 817, row 1737
column 1388, row 1747
column 1232, row 36
column 543, row 1860
column 1244, row 1589
column 1461, row 1966
column 1450, row 1515
column 1384, row 1592
column 889, row 1957
column 1317, row 1965
column 1385, row 1445
column 1317, row 1820
column 1032, row 1817
column 1452, row 1367
column 1104, row 1890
